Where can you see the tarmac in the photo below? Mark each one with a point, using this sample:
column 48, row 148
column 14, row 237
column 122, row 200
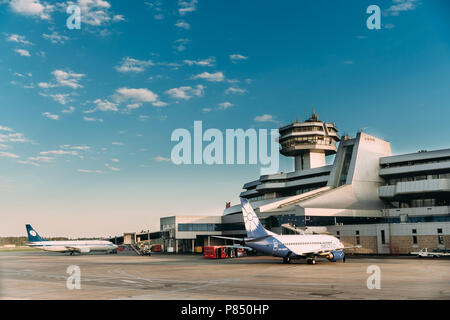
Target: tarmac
column 43, row 275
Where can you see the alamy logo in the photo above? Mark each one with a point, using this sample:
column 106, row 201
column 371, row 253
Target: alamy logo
column 74, row 20
column 374, row 280
column 216, row 152
column 374, row 20
column 74, row 279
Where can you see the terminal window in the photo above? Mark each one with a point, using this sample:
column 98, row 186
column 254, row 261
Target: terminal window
column 383, row 237
column 345, row 165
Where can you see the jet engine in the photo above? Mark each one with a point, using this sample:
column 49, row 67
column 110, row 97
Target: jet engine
column 336, row 255
column 85, row 250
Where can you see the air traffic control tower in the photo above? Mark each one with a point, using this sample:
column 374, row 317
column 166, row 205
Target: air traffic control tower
column 309, row 142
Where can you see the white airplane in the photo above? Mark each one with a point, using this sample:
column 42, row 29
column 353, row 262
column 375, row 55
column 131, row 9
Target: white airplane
column 72, row 246
column 288, row 246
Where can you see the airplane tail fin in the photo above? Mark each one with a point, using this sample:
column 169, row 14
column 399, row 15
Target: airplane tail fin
column 33, row 236
column 253, row 226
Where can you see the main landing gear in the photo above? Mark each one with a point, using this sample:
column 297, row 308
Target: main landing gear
column 311, row 261
column 286, row 260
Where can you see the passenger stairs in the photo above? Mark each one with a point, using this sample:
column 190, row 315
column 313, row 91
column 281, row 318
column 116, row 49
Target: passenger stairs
column 136, row 249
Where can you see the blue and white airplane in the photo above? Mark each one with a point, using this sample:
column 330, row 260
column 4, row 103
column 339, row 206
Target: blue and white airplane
column 288, row 246
column 71, row 246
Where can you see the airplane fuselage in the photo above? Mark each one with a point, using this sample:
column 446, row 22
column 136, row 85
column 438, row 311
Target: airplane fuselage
column 84, row 246
column 295, row 245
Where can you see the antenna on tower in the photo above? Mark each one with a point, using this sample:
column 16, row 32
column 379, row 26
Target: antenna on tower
column 314, row 115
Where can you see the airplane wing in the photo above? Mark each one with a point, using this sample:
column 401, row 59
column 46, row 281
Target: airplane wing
column 229, row 238
column 244, row 240
column 352, row 247
column 78, row 249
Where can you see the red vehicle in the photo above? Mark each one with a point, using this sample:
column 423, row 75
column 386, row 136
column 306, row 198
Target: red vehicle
column 215, row 252
column 156, row 248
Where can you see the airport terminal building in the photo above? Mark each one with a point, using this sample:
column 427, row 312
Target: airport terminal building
column 387, row 204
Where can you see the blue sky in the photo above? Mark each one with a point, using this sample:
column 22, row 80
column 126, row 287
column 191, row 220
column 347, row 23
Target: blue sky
column 86, row 115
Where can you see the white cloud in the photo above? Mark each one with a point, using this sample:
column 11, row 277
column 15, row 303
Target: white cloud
column 133, row 65
column 232, row 90
column 69, row 79
column 23, row 52
column 209, row 62
column 111, row 167
column 225, row 105
column 183, row 24
column 237, row 57
column 134, row 105
column 118, row 17
column 91, row 171
column 91, row 119
column 161, row 159
column 45, row 85
column 206, row 109
column 159, row 104
column 214, row 77
column 59, row 97
column 156, row 6
column 29, row 74
column 68, row 110
column 17, row 38
column 13, row 137
column 82, row 148
column 40, row 159
column 137, row 95
column 143, row 117
column 105, row 105
column 186, row 92
column 55, row 37
column 117, row 143
column 186, row 6
column 96, row 12
column 29, row 162
column 63, row 79
column 50, row 116
column 4, row 154
column 180, row 44
column 115, row 160
column 400, row 6
column 3, row 128
column 59, row 152
column 264, row 118
column 32, row 8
